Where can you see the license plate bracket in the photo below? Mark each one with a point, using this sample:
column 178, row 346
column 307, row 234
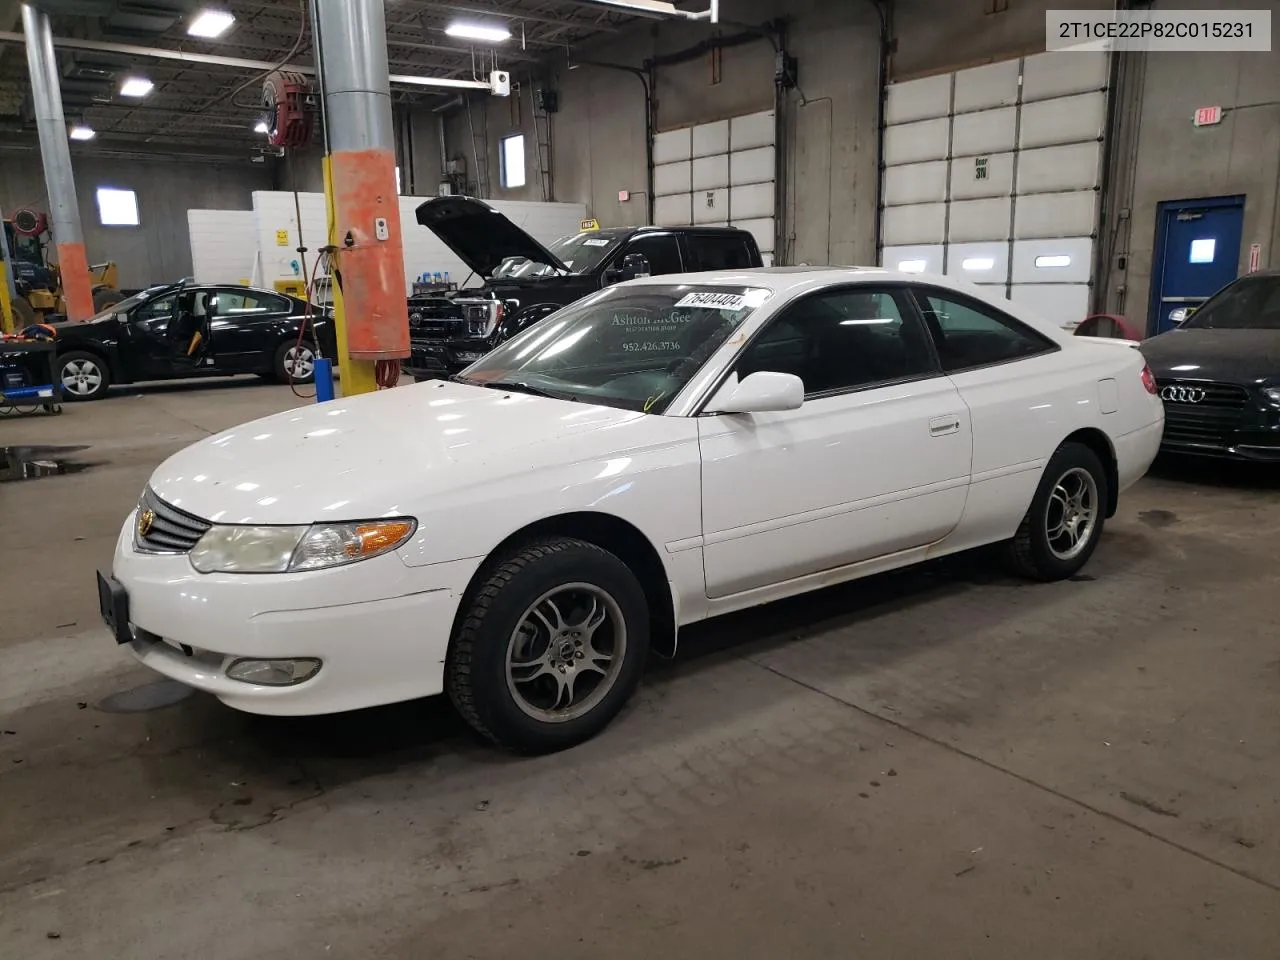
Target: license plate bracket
column 113, row 604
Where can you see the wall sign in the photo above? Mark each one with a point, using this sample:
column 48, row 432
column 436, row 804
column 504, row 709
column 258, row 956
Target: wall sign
column 282, row 238
column 980, row 168
column 1208, row 116
column 1255, row 257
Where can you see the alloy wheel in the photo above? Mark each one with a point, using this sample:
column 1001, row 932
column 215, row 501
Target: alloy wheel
column 81, row 377
column 566, row 652
column 1072, row 514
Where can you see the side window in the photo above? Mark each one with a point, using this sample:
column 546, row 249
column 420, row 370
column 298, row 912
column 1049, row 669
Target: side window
column 719, row 253
column 843, row 340
column 970, row 334
column 661, row 250
column 158, row 309
column 238, row 303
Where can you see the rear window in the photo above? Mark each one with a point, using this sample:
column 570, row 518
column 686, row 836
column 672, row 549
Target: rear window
column 724, row 252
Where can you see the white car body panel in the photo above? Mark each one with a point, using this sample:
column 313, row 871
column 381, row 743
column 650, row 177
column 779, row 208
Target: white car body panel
column 741, row 509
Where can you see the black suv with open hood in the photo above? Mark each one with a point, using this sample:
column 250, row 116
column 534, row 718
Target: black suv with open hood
column 525, row 281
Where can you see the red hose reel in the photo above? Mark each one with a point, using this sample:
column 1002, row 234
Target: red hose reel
column 285, row 99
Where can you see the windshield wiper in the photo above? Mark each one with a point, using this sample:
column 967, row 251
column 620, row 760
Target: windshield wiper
column 518, row 386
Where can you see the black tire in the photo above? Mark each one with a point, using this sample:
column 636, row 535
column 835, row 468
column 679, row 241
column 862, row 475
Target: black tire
column 85, row 376
column 24, row 315
column 280, row 365
column 476, row 671
column 105, row 297
column 1031, row 553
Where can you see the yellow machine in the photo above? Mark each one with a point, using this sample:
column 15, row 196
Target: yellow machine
column 37, row 283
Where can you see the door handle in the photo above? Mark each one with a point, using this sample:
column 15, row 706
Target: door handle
column 941, row 426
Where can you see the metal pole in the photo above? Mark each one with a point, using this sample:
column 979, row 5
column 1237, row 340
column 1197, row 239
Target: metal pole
column 360, row 187
column 64, row 210
column 8, row 292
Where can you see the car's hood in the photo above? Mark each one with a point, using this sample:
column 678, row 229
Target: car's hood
column 480, row 235
column 69, row 328
column 384, row 454
column 1234, row 356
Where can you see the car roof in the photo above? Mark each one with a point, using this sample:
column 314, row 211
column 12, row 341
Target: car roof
column 652, row 228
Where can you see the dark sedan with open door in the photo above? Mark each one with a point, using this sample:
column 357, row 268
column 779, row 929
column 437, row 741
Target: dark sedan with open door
column 193, row 330
column 1218, row 373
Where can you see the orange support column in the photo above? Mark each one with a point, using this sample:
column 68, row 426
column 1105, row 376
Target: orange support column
column 55, row 154
column 370, row 301
column 370, row 253
column 77, row 288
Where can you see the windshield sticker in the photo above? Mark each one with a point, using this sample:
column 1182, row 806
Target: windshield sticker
column 596, row 243
column 714, row 301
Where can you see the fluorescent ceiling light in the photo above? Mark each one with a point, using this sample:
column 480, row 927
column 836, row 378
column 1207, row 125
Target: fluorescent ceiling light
column 978, row 263
column 210, row 23
column 261, row 127
column 652, row 7
column 912, row 266
column 135, row 87
column 81, row 132
column 478, row 31
column 1059, row 260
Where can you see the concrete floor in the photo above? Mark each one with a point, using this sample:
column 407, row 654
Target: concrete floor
column 939, row 763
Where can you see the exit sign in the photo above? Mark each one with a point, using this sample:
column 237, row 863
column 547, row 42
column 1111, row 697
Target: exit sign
column 1208, row 116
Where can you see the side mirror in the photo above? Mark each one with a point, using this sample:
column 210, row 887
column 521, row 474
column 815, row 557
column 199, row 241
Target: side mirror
column 612, row 275
column 761, row 392
column 635, row 265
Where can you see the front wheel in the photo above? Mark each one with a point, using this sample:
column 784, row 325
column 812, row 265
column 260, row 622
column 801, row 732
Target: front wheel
column 295, row 362
column 1064, row 523
column 550, row 646
column 84, row 375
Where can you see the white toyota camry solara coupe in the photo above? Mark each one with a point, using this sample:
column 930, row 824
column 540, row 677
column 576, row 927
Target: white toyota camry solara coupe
column 669, row 449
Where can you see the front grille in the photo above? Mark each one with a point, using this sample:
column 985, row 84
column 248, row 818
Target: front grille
column 167, row 529
column 1210, row 421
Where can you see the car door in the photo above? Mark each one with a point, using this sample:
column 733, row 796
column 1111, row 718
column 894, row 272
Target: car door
column 144, row 348
column 718, row 251
column 876, row 461
column 662, row 250
column 246, row 327
column 1018, row 386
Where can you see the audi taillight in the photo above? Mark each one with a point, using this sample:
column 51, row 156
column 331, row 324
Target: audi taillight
column 1149, row 380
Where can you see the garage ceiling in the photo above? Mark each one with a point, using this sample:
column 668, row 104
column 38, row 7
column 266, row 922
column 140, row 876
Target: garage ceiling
column 192, row 105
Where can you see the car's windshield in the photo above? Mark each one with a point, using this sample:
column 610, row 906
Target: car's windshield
column 629, row 347
column 124, row 306
column 1252, row 303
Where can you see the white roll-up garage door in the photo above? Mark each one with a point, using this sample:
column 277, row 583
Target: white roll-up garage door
column 992, row 174
column 718, row 174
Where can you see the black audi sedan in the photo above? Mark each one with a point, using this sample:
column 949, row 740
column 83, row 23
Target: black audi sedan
column 192, row 330
column 1218, row 373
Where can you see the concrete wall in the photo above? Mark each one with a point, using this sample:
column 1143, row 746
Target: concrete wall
column 159, row 249
column 1172, row 159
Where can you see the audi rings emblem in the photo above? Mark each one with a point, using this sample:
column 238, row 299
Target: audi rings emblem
column 1183, row 394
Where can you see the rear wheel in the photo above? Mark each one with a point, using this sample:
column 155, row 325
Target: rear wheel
column 550, row 647
column 295, row 362
column 1064, row 523
column 84, row 376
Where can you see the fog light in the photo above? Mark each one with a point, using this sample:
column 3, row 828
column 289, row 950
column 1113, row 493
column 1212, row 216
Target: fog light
column 274, row 673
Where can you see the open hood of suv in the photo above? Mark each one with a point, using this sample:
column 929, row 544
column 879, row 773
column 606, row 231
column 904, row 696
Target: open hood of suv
column 480, row 235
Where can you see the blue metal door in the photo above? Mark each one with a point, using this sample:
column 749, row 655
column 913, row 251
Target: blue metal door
column 1197, row 254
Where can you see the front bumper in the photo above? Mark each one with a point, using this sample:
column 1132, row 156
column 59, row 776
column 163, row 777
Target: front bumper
column 435, row 358
column 380, row 628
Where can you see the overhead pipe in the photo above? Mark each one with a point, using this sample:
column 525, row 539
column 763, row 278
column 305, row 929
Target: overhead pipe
column 55, row 153
column 238, row 63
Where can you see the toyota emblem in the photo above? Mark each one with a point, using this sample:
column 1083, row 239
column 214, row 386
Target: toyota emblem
column 1179, row 394
column 146, row 520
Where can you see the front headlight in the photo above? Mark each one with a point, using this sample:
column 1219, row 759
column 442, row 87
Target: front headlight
column 236, row 549
column 1272, row 394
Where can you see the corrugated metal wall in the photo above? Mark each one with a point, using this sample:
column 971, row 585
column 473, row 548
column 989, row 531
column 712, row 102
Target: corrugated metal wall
column 992, row 175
